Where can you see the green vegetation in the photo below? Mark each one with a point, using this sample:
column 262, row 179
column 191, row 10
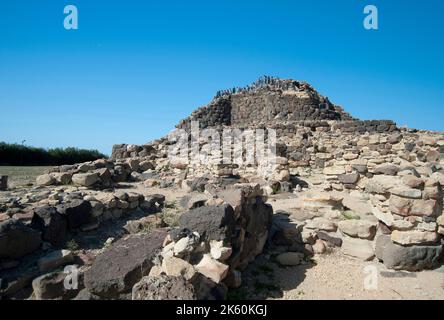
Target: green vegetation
column 72, row 245
column 350, row 215
column 170, row 214
column 21, row 155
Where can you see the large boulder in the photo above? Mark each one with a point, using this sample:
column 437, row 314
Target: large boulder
column 85, row 179
column 118, row 268
column 410, row 258
column 77, row 212
column 163, row 287
column 17, row 239
column 212, row 222
column 52, row 224
column 52, row 286
column 45, row 180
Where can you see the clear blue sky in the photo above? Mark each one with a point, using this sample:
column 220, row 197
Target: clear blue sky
column 133, row 69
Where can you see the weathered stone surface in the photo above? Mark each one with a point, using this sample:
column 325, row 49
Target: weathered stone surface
column 85, row 179
column 357, row 205
column 45, row 180
column 319, row 247
column 411, row 258
column 186, row 245
column 77, row 212
column 51, row 223
column 220, row 252
column 386, row 217
column 413, row 182
column 402, row 225
column 381, row 184
column 62, row 177
column 351, row 178
column 173, row 266
column 414, row 237
column 427, row 208
column 334, row 171
column 145, row 223
column 332, row 239
column 405, row 192
column 212, row 222
column 55, row 259
column 321, row 224
column 358, row 228
column 386, row 169
column 400, row 206
column 17, row 240
column 52, row 286
column 212, row 269
column 118, row 268
column 358, row 248
column 163, row 287
column 440, row 220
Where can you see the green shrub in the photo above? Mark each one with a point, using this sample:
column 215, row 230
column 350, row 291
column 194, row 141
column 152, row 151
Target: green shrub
column 21, row 155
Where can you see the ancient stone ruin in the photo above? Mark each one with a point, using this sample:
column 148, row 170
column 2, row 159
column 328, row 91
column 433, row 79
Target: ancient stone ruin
column 141, row 226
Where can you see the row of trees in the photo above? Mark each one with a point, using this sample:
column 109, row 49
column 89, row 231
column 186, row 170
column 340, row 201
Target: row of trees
column 21, row 155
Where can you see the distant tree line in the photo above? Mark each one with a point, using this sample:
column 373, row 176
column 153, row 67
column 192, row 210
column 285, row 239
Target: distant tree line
column 21, row 155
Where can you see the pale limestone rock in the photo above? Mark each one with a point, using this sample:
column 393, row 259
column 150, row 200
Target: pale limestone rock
column 212, row 269
column 321, row 224
column 173, row 266
column 334, row 171
column 358, row 228
column 220, row 252
column 358, row 248
column 45, row 180
column 414, row 237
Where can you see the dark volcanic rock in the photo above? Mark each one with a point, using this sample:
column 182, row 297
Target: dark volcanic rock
column 257, row 221
column 412, row 258
column 51, row 223
column 118, row 268
column 335, row 241
column 77, row 212
column 212, row 222
column 17, row 240
column 163, row 287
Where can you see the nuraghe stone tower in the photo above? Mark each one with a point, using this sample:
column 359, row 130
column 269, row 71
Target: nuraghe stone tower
column 281, row 104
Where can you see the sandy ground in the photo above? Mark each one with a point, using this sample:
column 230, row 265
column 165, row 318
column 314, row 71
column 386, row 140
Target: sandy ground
column 338, row 277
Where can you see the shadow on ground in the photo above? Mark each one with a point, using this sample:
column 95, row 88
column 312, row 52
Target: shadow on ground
column 259, row 280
